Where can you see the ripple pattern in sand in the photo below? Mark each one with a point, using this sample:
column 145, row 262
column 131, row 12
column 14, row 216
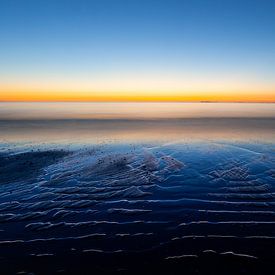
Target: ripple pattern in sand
column 137, row 201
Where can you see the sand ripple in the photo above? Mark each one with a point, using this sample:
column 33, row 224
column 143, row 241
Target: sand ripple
column 178, row 202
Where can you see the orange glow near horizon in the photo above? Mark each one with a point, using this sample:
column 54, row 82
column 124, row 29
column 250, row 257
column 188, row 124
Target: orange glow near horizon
column 142, row 88
column 225, row 96
column 138, row 87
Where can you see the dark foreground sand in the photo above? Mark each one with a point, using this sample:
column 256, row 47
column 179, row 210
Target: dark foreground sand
column 173, row 208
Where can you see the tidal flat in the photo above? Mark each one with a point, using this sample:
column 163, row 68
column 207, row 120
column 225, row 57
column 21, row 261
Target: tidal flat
column 167, row 188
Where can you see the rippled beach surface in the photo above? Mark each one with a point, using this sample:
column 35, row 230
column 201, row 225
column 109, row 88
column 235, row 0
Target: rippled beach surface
column 137, row 192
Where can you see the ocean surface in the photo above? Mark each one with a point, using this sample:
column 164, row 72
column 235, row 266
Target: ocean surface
column 137, row 188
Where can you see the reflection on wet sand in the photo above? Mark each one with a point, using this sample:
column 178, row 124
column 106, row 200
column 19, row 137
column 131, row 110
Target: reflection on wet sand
column 119, row 130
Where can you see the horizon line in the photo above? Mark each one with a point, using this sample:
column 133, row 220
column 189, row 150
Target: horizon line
column 132, row 101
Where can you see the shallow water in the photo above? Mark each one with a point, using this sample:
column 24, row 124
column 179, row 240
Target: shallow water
column 133, row 195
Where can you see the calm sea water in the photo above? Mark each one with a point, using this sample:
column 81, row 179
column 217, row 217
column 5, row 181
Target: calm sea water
column 130, row 188
column 135, row 122
column 81, row 110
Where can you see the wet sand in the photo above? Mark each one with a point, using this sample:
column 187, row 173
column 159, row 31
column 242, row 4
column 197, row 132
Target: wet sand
column 131, row 196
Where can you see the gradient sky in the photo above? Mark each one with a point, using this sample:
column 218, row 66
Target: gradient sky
column 137, row 50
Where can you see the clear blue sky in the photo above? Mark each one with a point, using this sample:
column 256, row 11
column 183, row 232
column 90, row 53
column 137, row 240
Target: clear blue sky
column 70, row 39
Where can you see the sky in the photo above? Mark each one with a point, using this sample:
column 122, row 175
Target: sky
column 137, row 50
